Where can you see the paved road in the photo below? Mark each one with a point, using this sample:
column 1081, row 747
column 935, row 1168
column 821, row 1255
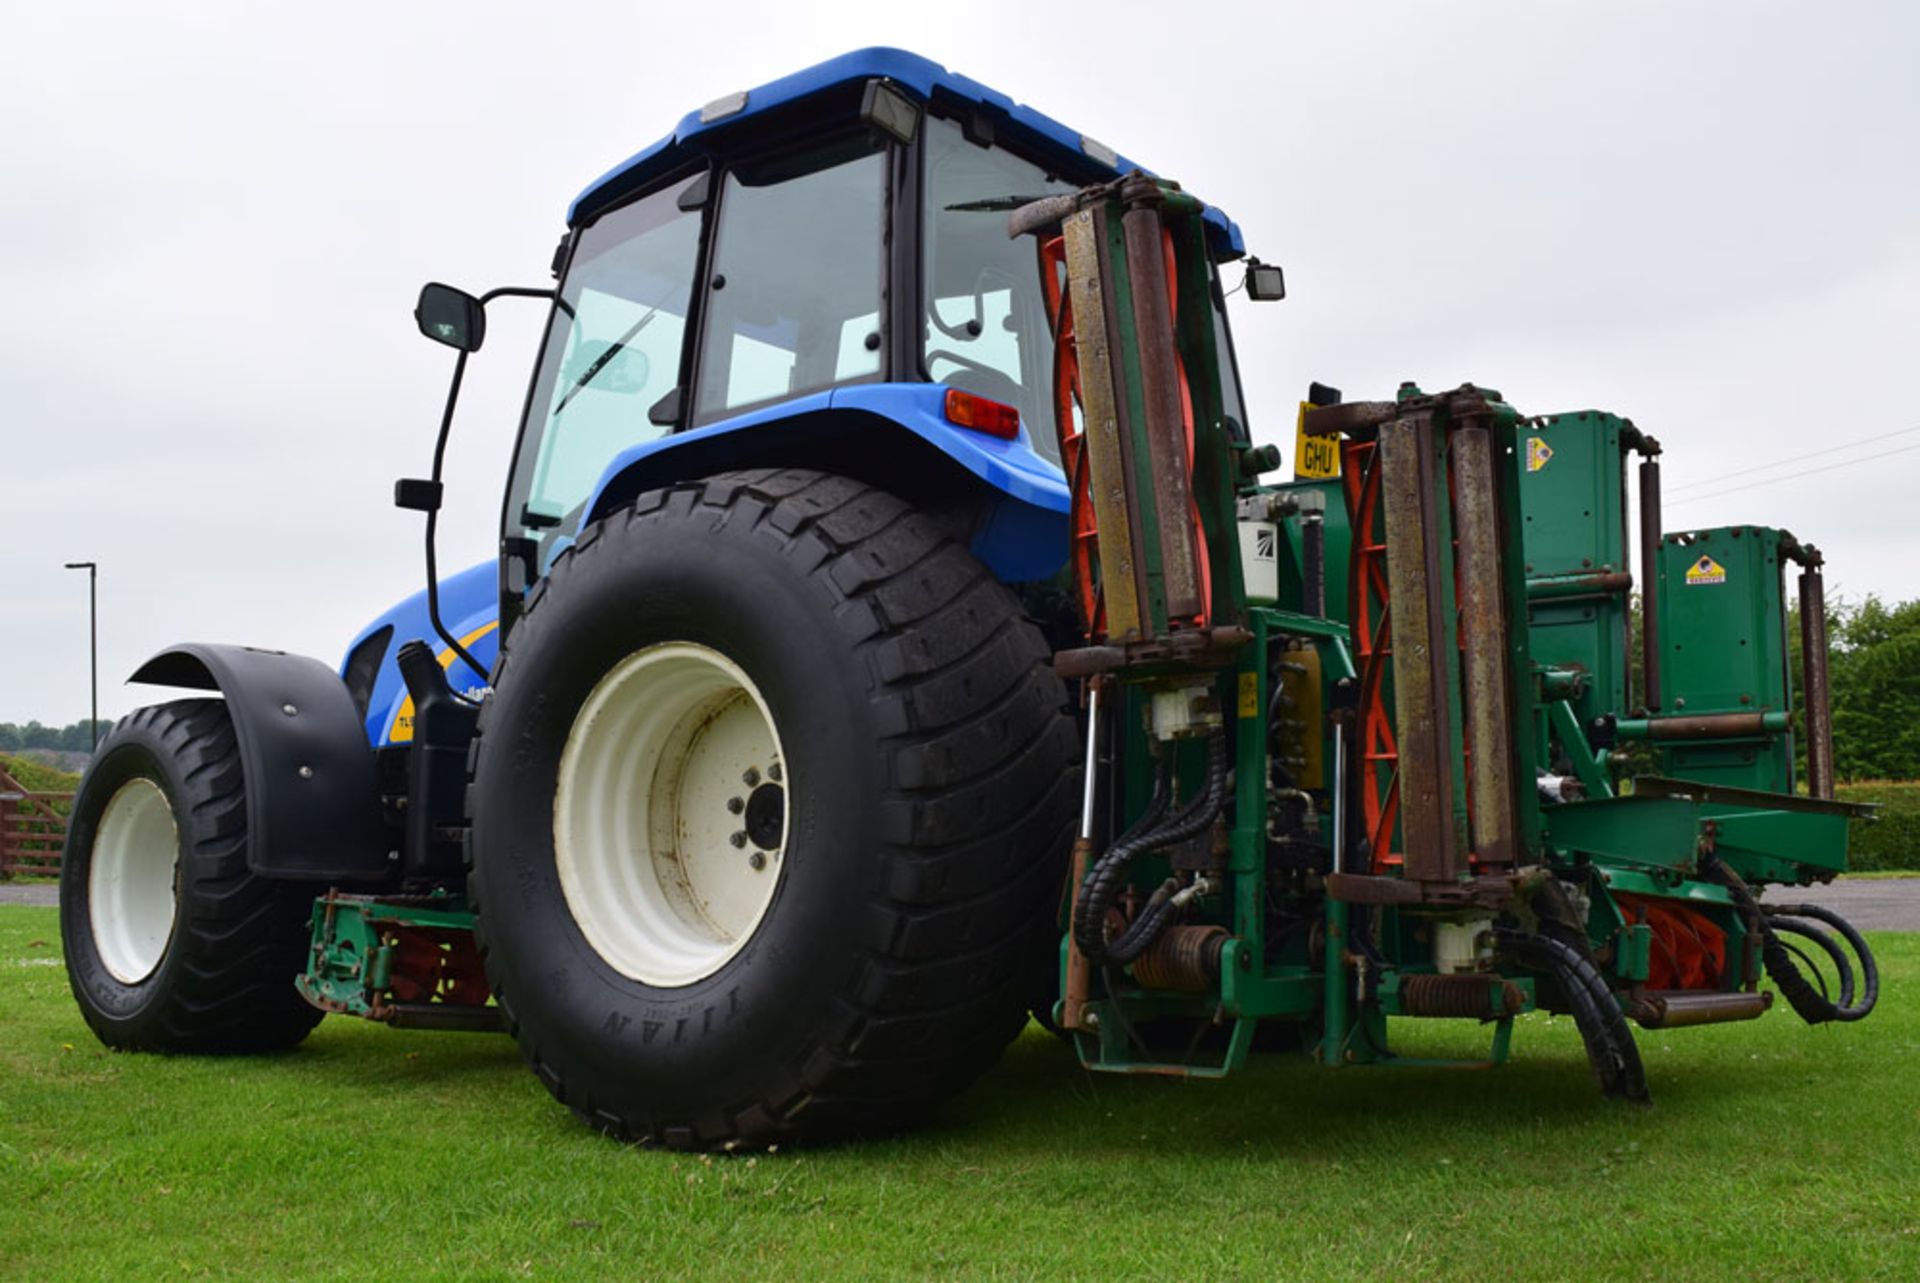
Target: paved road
column 1872, row 904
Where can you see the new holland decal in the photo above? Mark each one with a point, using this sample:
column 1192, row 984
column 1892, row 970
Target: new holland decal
column 1538, row 453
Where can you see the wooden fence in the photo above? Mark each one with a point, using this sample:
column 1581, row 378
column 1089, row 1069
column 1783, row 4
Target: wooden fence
column 32, row 831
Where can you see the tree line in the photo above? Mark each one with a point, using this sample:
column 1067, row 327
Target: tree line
column 1874, row 669
column 77, row 738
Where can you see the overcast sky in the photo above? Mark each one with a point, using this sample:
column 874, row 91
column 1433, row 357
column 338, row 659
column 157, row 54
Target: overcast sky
column 214, row 220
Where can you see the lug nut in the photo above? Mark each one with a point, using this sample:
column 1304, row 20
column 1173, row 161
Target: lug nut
column 751, row 778
column 757, row 861
column 773, row 771
column 736, row 805
column 739, row 838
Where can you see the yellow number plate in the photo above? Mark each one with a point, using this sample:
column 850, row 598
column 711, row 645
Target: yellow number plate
column 1315, row 458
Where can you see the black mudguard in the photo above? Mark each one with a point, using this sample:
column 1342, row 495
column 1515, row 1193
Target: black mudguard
column 313, row 803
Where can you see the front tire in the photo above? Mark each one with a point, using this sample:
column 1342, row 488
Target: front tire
column 171, row 944
column 769, row 810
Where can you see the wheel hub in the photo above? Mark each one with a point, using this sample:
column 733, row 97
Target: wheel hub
column 670, row 816
column 132, row 880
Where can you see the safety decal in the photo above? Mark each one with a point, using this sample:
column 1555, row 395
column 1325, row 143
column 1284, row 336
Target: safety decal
column 1249, row 695
column 1538, row 452
column 1706, row 571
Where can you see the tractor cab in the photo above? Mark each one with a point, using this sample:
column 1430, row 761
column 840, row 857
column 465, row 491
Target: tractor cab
column 789, row 271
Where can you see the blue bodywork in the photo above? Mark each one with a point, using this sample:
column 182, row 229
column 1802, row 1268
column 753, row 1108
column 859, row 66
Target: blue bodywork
column 470, row 606
column 1022, row 533
column 922, row 77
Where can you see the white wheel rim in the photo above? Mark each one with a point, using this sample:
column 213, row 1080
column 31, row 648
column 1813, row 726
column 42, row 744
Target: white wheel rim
column 670, row 818
column 130, row 880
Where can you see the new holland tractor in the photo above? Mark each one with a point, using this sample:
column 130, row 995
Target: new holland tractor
column 892, row 635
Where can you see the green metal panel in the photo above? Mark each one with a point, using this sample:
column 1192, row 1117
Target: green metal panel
column 1649, row 832
column 1724, row 650
column 1767, row 845
column 1573, row 521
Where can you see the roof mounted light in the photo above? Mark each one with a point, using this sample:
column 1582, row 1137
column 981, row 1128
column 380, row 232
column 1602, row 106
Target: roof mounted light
column 721, row 108
column 887, row 109
column 1100, row 151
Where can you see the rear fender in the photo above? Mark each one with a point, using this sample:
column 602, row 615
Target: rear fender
column 313, row 804
column 891, row 435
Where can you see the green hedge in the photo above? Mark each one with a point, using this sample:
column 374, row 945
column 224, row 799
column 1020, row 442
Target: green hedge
column 38, row 777
column 1892, row 841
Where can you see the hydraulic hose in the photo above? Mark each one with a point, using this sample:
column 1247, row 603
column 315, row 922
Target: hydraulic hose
column 1611, row 1050
column 1811, row 1006
column 1842, row 965
column 1103, row 885
column 1807, row 1002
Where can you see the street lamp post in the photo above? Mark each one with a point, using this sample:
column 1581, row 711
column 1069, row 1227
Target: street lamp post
column 93, row 642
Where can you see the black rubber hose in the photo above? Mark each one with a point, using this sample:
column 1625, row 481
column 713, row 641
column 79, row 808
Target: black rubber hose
column 1807, row 1003
column 1103, row 885
column 1842, row 965
column 1845, row 1009
column 1611, row 1050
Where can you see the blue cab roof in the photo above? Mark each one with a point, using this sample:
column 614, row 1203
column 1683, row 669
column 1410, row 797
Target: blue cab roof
column 919, row 76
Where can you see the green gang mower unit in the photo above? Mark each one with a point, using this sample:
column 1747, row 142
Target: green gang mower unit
column 895, row 636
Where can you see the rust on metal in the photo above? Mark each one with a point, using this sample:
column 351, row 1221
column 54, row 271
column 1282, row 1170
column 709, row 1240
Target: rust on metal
column 1185, row 959
column 1676, row 1008
column 1599, row 583
column 1815, row 682
column 1079, row 979
column 1708, row 726
column 1109, row 484
column 1217, row 647
column 1165, row 426
column 1495, row 891
column 1492, row 805
column 1474, row 995
column 1356, row 419
column 1649, row 569
column 1419, row 636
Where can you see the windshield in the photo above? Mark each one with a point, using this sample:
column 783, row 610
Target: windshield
column 612, row 354
column 986, row 324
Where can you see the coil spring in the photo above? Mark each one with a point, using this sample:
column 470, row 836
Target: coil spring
column 1472, row 996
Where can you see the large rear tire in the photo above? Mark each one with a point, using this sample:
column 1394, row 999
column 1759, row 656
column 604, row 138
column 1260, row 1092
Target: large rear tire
column 171, row 944
column 770, row 807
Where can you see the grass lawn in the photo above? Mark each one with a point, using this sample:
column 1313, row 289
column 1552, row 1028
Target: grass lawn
column 1773, row 1151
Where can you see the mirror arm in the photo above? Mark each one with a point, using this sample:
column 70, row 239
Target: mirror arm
column 433, row 523
column 515, row 291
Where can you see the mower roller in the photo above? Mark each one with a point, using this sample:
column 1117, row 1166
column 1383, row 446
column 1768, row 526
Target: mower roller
column 894, row 633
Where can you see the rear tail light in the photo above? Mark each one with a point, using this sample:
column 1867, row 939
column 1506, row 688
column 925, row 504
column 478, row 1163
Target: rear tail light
column 966, row 410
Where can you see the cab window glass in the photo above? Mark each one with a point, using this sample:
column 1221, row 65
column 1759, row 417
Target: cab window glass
column 612, row 353
column 986, row 324
column 793, row 297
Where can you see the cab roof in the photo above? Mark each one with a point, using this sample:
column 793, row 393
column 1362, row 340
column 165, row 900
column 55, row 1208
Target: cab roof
column 702, row 132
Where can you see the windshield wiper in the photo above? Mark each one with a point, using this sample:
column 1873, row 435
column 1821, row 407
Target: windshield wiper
column 601, row 362
column 995, row 204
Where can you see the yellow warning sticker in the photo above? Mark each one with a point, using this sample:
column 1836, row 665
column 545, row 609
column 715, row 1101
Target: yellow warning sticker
column 1249, row 695
column 1314, row 457
column 1538, row 453
column 1706, row 571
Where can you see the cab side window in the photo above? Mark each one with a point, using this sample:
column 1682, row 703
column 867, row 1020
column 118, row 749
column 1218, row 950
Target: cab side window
column 794, row 293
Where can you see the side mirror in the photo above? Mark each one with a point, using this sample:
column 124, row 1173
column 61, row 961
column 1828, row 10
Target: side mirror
column 451, row 316
column 1265, row 282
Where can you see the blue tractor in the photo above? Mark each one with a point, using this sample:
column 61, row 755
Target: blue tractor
column 739, row 787
column 744, row 788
